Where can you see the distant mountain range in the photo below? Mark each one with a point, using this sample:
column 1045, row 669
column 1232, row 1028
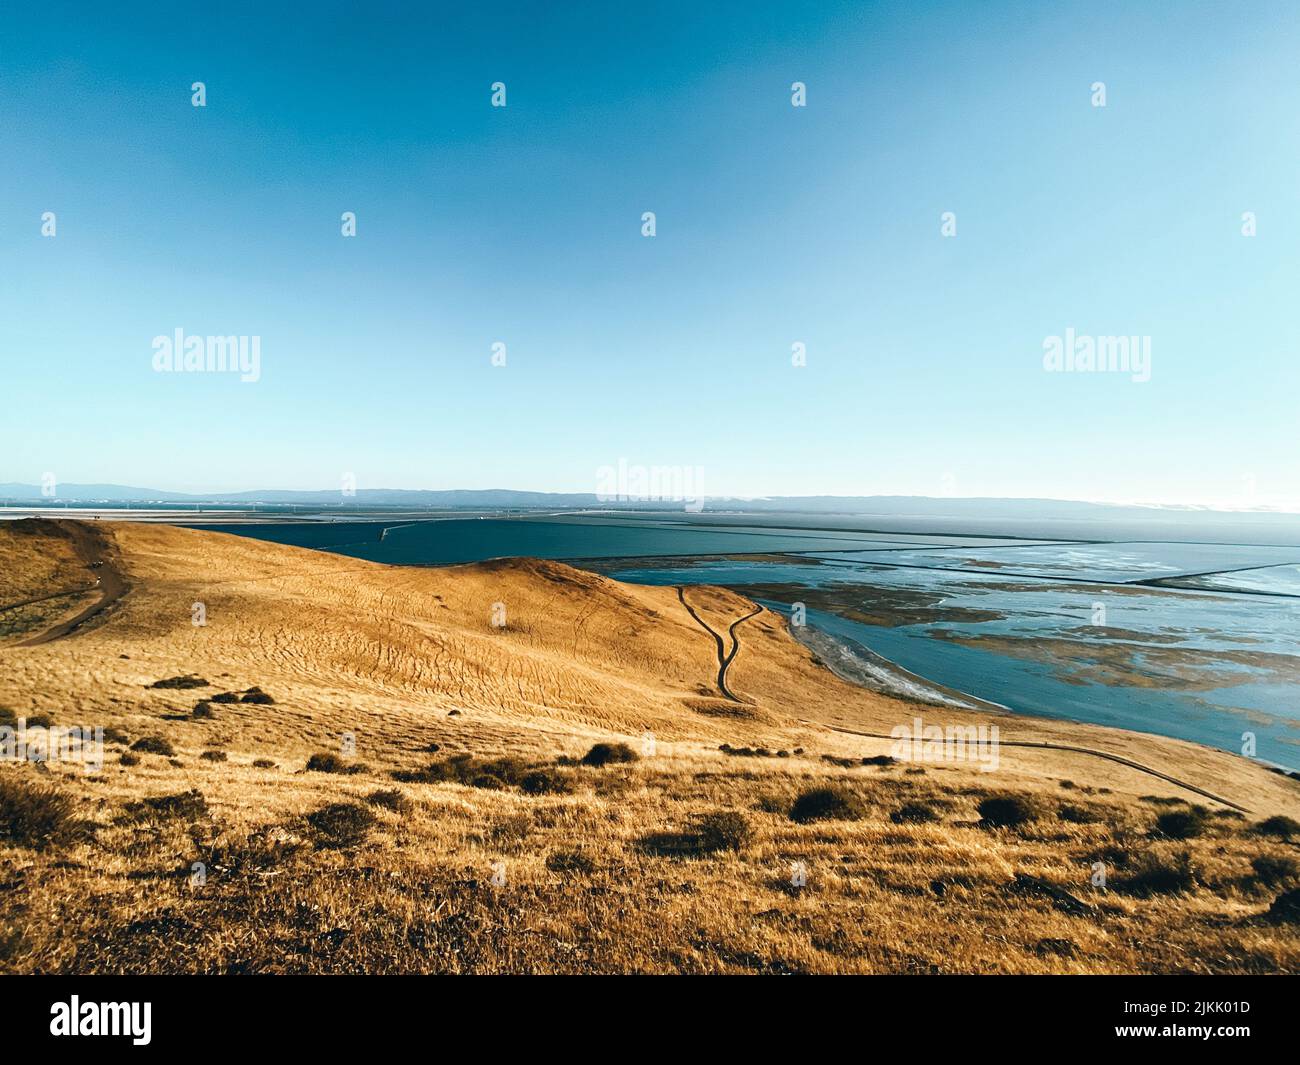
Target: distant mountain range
column 507, row 499
column 483, row 499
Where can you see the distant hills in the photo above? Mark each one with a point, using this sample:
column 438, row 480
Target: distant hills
column 481, row 499
column 12, row 494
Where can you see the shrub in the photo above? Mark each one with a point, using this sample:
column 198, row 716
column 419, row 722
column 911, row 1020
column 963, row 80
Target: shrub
column 1182, row 824
column 880, row 759
column 1006, row 811
column 569, row 862
column 1272, row 871
column 508, row 770
column 181, row 683
column 257, row 696
column 225, row 697
column 35, row 816
column 341, row 824
column 203, row 710
column 430, row 774
column 464, row 768
column 1285, row 908
column 153, row 745
column 184, row 806
column 255, row 851
column 609, row 753
column 40, row 721
column 263, row 763
column 545, row 782
column 389, row 799
column 213, row 756
column 332, row 763
column 914, row 813
column 705, row 834
column 115, row 735
column 1156, row 875
column 1279, row 826
column 1079, row 815
column 129, row 759
column 722, row 831
column 827, row 804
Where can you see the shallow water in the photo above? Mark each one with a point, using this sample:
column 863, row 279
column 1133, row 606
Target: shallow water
column 1057, row 629
column 1197, row 666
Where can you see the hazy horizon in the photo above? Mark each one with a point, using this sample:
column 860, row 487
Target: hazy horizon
column 358, row 498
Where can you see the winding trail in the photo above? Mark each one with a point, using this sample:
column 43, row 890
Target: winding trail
column 1119, row 759
column 93, row 552
column 725, row 657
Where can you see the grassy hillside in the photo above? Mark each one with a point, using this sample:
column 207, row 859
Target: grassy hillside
column 448, row 822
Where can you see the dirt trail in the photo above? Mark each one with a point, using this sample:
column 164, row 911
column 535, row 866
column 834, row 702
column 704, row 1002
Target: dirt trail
column 92, row 549
column 725, row 657
column 1078, row 750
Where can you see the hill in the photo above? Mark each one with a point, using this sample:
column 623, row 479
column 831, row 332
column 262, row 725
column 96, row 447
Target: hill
column 447, row 821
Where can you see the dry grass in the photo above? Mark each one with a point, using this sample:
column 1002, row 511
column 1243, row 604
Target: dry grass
column 680, row 861
column 317, row 875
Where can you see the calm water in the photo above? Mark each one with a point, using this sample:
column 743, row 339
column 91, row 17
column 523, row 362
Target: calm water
column 1059, row 629
column 452, row 541
column 1196, row 666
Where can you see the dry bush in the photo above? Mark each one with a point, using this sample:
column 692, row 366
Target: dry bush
column 35, row 815
column 1279, row 827
column 1007, row 811
column 1183, row 824
column 184, row 806
column 341, row 824
column 914, row 813
column 154, row 745
column 609, row 754
column 1159, row 874
column 389, row 799
column 827, row 804
column 1274, row 870
column 332, row 763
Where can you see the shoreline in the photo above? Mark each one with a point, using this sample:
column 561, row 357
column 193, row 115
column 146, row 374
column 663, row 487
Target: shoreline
column 860, row 665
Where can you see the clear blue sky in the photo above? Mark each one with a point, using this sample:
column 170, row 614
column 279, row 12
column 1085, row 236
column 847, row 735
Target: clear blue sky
column 775, row 224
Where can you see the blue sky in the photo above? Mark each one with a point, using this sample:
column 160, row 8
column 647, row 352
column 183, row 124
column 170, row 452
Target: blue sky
column 775, row 224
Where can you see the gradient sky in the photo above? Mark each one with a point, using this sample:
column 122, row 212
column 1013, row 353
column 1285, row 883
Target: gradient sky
column 775, row 225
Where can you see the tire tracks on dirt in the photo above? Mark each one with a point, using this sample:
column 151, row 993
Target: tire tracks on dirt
column 1042, row 745
column 93, row 551
column 725, row 657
